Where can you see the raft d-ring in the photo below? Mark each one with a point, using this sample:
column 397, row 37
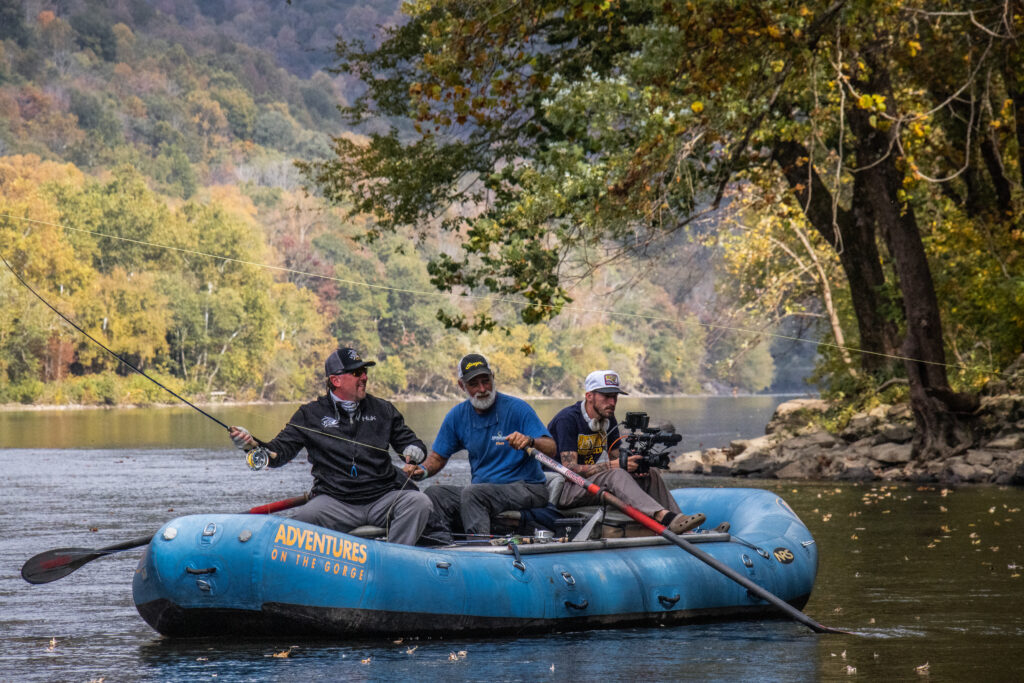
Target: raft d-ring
column 210, row 529
column 518, row 562
column 568, row 578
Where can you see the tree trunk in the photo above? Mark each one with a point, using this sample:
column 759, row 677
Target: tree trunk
column 1012, row 76
column 941, row 415
column 857, row 250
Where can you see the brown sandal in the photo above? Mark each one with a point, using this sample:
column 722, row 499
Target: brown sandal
column 679, row 524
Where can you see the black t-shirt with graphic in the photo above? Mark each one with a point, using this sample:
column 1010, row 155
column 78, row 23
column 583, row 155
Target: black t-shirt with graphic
column 572, row 433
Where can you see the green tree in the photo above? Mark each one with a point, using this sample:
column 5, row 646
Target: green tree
column 560, row 125
column 239, row 109
column 121, row 224
column 128, row 313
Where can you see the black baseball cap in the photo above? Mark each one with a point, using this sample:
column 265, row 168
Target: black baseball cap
column 471, row 365
column 345, row 360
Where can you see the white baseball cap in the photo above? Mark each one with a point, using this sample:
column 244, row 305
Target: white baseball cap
column 603, row 382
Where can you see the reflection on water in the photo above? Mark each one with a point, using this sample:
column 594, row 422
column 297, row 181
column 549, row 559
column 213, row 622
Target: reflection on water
column 717, row 652
column 927, row 577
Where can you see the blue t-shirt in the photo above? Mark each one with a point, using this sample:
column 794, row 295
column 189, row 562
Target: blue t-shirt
column 491, row 459
column 572, row 433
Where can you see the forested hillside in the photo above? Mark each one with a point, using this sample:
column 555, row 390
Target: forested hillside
column 147, row 176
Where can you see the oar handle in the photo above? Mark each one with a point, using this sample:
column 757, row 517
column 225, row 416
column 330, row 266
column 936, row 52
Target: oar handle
column 279, row 505
column 678, row 540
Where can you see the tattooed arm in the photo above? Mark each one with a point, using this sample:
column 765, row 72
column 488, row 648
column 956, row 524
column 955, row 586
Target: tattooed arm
column 570, row 460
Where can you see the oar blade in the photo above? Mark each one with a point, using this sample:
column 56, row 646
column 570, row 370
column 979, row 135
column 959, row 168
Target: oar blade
column 56, row 564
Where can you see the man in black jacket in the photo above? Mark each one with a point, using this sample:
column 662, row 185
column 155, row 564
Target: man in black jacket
column 346, row 433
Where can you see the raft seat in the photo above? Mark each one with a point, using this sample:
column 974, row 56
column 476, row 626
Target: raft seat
column 555, row 482
column 604, row 522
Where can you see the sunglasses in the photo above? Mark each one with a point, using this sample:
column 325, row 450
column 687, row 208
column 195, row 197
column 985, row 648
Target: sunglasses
column 358, row 372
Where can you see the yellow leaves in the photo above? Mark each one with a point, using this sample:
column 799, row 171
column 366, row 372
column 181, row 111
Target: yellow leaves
column 914, row 47
column 872, row 102
column 697, row 107
column 1007, row 109
column 777, row 65
column 775, row 32
column 919, row 130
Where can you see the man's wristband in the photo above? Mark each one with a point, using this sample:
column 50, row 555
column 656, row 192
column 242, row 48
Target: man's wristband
column 532, row 441
column 425, row 472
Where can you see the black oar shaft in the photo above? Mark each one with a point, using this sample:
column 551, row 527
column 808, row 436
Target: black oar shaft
column 678, row 540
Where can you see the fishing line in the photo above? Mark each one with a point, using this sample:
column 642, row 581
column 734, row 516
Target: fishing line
column 408, row 478
column 513, row 302
column 339, row 438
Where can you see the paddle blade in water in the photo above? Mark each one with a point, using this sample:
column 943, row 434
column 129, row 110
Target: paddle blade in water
column 56, row 564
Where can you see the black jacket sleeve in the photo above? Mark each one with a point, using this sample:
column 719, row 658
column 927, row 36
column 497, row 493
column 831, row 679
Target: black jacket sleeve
column 289, row 440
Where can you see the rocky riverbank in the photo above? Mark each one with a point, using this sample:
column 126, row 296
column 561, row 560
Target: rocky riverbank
column 873, row 446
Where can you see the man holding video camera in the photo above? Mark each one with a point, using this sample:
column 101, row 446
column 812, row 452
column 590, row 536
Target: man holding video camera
column 587, row 430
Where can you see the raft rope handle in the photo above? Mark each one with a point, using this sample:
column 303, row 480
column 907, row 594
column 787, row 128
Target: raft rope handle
column 759, row 550
column 518, row 562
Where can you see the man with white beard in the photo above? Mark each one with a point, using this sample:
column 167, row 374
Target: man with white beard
column 495, row 429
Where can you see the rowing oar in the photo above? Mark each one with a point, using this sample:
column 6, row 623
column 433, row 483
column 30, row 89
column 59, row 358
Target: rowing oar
column 56, row 564
column 661, row 529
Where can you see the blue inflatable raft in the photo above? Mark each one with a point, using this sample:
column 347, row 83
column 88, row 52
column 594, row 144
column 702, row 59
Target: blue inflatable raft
column 266, row 574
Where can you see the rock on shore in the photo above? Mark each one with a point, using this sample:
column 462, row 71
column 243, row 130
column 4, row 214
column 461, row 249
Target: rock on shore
column 873, row 446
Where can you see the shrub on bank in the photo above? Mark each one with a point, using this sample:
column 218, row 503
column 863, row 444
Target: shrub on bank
column 26, row 391
column 105, row 389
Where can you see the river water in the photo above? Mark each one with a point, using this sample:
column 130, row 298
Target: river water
column 930, row 579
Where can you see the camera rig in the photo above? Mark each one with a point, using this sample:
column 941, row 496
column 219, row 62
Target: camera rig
column 641, row 441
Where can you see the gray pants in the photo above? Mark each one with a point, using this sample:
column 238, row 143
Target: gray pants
column 647, row 494
column 475, row 504
column 404, row 522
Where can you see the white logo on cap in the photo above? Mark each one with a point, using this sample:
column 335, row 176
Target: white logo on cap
column 353, row 355
column 611, row 380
